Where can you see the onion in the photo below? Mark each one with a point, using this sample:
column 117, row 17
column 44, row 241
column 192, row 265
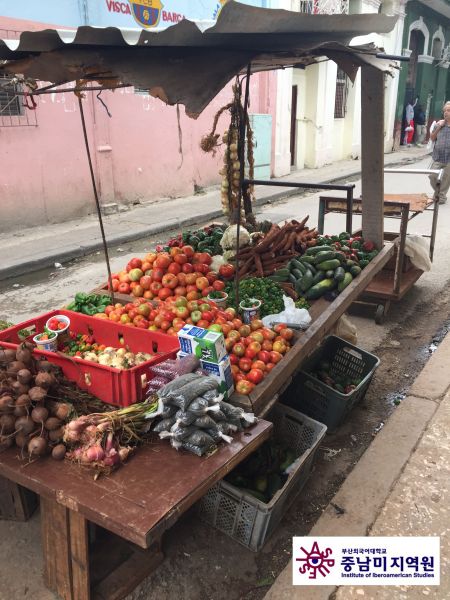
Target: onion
column 6, row 404
column 71, row 436
column 39, row 414
column 59, row 452
column 75, row 425
column 110, row 461
column 52, row 423
column 44, row 380
column 37, row 394
column 24, row 376
column 7, row 424
column 37, row 446
column 95, row 453
column 25, row 424
column 124, row 453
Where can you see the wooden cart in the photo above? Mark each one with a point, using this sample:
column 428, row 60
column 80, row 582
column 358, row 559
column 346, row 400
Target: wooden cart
column 399, row 275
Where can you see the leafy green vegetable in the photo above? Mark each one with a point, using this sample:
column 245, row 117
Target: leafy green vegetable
column 262, row 288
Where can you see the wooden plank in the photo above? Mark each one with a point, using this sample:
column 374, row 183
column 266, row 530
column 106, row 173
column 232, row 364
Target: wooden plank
column 152, row 489
column 372, row 153
column 382, row 286
column 79, row 548
column 16, row 502
column 324, row 316
column 126, row 577
column 56, row 548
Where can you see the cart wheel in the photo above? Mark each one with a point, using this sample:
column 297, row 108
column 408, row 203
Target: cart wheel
column 379, row 315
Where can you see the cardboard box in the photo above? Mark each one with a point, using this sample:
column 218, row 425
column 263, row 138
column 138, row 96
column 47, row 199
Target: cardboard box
column 221, row 371
column 204, row 344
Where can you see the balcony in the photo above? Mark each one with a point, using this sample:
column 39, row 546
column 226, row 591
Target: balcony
column 321, row 7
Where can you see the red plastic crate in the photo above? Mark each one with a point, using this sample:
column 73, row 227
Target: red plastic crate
column 120, row 387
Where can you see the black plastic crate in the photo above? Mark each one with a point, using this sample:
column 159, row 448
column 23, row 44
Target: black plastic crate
column 322, row 402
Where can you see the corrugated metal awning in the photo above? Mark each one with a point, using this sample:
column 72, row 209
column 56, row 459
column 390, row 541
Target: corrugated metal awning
column 188, row 64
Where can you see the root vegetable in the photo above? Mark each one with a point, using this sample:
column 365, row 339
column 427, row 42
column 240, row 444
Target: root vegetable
column 20, row 388
column 39, row 414
column 7, row 355
column 15, row 366
column 37, row 394
column 59, row 452
column 25, row 425
column 6, row 441
column 95, row 453
column 45, row 366
column 21, row 439
column 44, row 380
column 24, row 376
column 62, row 412
column 7, row 424
column 6, row 404
column 37, row 446
column 23, row 400
column 52, row 423
column 20, row 411
column 56, row 435
column 23, row 354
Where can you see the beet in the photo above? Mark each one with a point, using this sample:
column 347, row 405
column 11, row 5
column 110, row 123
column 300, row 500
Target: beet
column 6, row 441
column 24, row 376
column 39, row 414
column 52, row 423
column 37, row 446
column 59, row 452
column 21, row 439
column 23, row 354
column 44, row 380
column 6, row 404
column 37, row 394
column 56, row 435
column 7, row 424
column 20, row 388
column 7, row 355
column 25, row 424
column 15, row 366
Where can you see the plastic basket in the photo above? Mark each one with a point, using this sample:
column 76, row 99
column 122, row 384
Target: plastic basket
column 322, row 402
column 242, row 516
column 120, row 387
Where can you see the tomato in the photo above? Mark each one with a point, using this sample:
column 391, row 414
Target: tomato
column 109, row 309
column 132, row 313
column 123, row 278
column 257, row 336
column 255, row 347
column 125, row 319
column 192, row 295
column 237, row 323
column 264, row 356
column 182, row 312
column 226, row 271
column 234, row 369
column 279, row 326
column 249, row 353
column 270, row 366
column 229, row 345
column 259, row 364
column 145, row 282
column 123, row 288
column 115, row 284
column 231, row 312
column 279, row 347
column 188, row 250
column 174, row 268
column 245, row 364
column 239, row 377
column 191, row 278
column 181, row 259
column 245, row 330
column 256, row 324
column 234, row 359
column 203, row 324
column 287, row 334
column 255, row 375
column 239, row 349
column 163, row 261
column 234, row 335
column 135, row 263
column 165, row 325
column 155, row 286
column 267, row 345
column 275, row 356
column 164, row 293
column 169, row 280
column 207, row 315
column 202, row 283
column 211, row 277
column 157, row 274
column 244, row 387
column 204, row 258
column 151, row 257
column 187, row 268
column 202, row 268
column 218, row 285
column 226, row 328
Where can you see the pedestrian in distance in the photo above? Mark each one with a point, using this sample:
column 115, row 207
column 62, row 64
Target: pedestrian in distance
column 441, row 154
column 409, row 123
column 420, row 125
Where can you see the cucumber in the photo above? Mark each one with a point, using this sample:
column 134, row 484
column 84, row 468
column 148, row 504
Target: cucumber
column 345, row 282
column 318, row 290
column 306, row 259
column 319, row 276
column 315, row 249
column 322, row 256
column 306, row 281
column 297, row 273
column 326, row 265
column 282, row 273
column 328, row 274
column 355, row 270
column 292, row 278
column 350, row 263
column 339, row 274
column 296, row 264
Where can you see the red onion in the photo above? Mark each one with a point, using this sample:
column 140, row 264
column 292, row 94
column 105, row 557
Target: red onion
column 95, row 453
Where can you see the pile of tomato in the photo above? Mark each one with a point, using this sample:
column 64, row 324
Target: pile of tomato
column 180, row 272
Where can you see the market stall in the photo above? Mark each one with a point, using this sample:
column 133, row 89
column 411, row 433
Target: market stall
column 181, row 303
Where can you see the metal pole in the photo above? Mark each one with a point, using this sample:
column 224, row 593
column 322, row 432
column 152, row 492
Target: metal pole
column 97, row 202
column 241, row 147
column 349, row 220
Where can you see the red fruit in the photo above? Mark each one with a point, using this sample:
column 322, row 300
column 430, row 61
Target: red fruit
column 264, row 356
column 275, row 357
column 245, row 364
column 255, row 376
column 170, row 281
column 138, row 290
column 244, row 387
column 187, row 268
column 145, row 282
column 218, row 285
column 181, row 259
column 234, row 359
column 174, row 268
column 124, row 288
column 287, row 334
column 163, row 261
column 259, row 364
column 239, row 349
column 135, row 263
column 226, row 271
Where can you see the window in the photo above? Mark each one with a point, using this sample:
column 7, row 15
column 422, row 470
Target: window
column 436, row 51
column 340, row 100
column 10, row 102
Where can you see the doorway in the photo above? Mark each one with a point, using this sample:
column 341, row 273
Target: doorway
column 293, row 144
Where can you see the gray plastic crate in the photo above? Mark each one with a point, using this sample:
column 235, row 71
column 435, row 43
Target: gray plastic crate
column 322, row 402
column 243, row 517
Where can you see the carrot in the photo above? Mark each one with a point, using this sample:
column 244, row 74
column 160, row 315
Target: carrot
column 287, row 287
column 258, row 265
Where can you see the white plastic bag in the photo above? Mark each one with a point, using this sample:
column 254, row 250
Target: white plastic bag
column 430, row 145
column 291, row 314
column 416, row 247
column 346, row 330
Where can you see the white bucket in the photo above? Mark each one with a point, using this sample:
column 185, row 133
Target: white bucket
column 51, row 345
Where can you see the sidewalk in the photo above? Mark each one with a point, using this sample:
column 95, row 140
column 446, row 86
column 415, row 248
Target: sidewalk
column 400, row 486
column 36, row 248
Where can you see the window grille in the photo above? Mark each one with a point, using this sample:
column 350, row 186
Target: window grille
column 12, row 110
column 321, row 7
column 340, row 100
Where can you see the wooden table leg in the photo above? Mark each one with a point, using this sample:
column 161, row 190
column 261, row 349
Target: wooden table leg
column 66, row 551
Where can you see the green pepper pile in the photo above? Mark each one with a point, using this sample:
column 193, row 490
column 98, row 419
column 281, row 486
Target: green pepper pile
column 89, row 304
column 262, row 288
column 205, row 240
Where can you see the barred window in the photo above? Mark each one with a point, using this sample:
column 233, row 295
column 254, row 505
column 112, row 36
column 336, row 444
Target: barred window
column 340, row 100
column 10, row 102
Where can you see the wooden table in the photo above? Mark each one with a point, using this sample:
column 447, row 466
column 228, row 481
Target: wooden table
column 138, row 502
column 324, row 316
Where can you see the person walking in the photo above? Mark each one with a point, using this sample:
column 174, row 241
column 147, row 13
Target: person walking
column 441, row 154
column 409, row 123
column 420, row 125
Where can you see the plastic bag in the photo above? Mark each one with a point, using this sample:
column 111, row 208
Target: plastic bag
column 346, row 330
column 198, row 450
column 168, row 411
column 165, row 369
column 205, row 422
column 157, row 383
column 165, row 392
column 218, row 436
column 178, row 432
column 164, row 425
column 417, row 248
column 183, row 396
column 290, row 314
column 430, row 145
column 200, row 407
column 186, row 364
column 185, row 418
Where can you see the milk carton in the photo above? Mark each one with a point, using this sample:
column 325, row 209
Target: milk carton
column 204, row 344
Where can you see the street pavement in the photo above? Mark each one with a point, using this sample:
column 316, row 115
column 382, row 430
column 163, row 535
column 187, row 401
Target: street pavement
column 400, row 487
column 34, row 248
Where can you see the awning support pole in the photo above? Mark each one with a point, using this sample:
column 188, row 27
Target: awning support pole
column 97, row 202
column 241, row 147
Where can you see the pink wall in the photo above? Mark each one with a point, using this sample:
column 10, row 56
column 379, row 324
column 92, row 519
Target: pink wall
column 44, row 168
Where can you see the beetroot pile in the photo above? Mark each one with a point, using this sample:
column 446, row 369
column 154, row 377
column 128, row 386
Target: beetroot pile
column 29, row 417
